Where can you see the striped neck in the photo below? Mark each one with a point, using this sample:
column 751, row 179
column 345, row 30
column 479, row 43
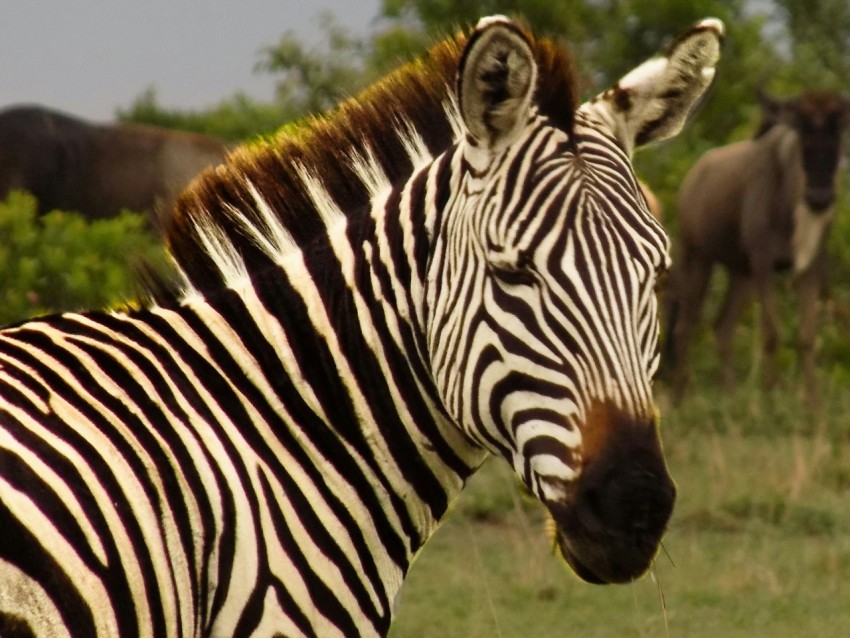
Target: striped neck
column 346, row 375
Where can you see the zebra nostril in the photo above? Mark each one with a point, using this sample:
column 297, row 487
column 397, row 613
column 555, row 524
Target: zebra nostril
column 591, row 511
column 637, row 503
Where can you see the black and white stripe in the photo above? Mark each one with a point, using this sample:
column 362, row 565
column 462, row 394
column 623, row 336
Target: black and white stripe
column 266, row 454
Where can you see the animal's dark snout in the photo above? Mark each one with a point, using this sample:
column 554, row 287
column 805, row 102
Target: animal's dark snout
column 637, row 503
column 623, row 501
column 820, row 199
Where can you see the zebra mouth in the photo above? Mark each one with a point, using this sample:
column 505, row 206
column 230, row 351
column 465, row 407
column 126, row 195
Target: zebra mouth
column 611, row 533
column 581, row 570
column 616, row 562
column 610, row 526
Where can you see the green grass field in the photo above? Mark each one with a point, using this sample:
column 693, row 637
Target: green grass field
column 759, row 544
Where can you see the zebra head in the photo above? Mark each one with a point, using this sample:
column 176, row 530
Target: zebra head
column 542, row 331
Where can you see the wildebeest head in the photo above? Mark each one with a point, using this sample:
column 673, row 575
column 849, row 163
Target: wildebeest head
column 819, row 118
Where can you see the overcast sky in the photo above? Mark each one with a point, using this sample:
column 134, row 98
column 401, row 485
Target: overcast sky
column 90, row 57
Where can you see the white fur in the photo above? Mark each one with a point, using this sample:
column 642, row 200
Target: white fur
column 326, row 207
column 273, row 237
column 229, row 263
column 570, row 438
column 369, row 171
column 809, row 230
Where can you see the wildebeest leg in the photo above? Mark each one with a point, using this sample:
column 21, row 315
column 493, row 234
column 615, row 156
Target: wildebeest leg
column 737, row 296
column 690, row 282
column 809, row 284
column 764, row 283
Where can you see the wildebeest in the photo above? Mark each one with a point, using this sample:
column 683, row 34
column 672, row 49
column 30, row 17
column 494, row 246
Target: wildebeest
column 98, row 169
column 756, row 207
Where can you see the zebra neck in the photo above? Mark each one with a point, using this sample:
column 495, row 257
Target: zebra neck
column 330, row 341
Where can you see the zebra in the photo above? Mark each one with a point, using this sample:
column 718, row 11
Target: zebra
column 368, row 307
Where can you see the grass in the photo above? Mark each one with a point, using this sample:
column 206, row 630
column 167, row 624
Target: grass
column 759, row 544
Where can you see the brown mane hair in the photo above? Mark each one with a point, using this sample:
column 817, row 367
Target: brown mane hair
column 223, row 202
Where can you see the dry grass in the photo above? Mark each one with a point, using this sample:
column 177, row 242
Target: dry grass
column 759, row 544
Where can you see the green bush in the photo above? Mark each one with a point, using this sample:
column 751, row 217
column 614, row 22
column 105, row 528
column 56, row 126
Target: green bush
column 60, row 261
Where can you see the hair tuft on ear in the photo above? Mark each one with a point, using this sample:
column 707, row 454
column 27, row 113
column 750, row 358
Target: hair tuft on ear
column 496, row 81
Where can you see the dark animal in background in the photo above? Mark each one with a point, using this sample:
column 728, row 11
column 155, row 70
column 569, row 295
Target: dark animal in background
column 99, row 169
column 754, row 208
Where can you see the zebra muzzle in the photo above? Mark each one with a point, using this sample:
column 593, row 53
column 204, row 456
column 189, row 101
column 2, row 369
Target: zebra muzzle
column 610, row 528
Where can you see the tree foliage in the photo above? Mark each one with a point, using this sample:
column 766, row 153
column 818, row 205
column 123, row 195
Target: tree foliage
column 784, row 44
column 816, row 40
column 314, row 80
column 234, row 119
column 62, row 262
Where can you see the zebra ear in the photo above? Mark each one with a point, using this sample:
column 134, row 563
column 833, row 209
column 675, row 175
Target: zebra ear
column 653, row 101
column 496, row 81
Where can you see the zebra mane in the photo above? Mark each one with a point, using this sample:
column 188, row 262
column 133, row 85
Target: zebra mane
column 275, row 196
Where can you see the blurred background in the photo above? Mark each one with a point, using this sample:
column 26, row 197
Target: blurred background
column 760, row 541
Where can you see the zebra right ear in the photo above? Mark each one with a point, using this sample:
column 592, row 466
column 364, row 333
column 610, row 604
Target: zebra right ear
column 653, row 101
column 496, row 82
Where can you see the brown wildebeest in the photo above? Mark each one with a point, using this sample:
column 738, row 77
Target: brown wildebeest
column 99, row 169
column 756, row 207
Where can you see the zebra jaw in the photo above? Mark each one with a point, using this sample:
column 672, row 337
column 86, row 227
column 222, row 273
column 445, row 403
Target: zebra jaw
column 607, row 522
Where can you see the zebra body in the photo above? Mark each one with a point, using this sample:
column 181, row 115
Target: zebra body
column 266, row 454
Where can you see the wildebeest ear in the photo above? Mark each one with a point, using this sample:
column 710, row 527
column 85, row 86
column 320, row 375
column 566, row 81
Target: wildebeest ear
column 772, row 110
column 653, row 101
column 496, row 81
column 771, row 106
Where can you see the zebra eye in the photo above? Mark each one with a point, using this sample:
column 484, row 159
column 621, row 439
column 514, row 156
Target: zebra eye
column 513, row 268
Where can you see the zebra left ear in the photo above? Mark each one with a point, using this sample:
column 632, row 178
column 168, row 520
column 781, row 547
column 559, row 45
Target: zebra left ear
column 653, row 101
column 496, row 81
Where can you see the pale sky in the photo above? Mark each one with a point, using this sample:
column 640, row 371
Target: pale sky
column 90, row 57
